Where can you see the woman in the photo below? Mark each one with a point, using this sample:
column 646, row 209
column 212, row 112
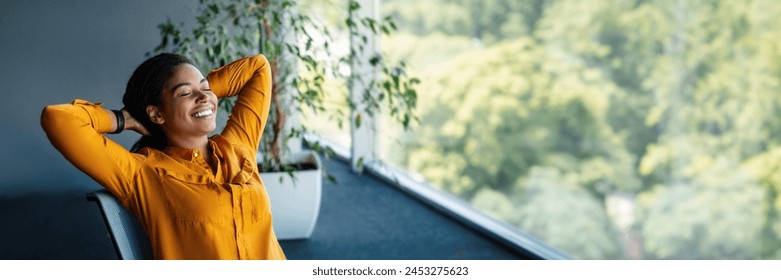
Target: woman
column 197, row 197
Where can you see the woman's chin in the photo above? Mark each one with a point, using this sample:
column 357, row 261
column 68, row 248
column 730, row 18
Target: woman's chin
column 211, row 128
column 207, row 128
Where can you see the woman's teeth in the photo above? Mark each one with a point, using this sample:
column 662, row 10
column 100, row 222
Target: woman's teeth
column 203, row 113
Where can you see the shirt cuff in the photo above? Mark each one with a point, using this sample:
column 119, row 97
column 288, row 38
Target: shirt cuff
column 99, row 118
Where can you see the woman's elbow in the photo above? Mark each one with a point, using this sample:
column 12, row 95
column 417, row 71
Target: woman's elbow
column 261, row 65
column 53, row 114
column 260, row 59
column 47, row 115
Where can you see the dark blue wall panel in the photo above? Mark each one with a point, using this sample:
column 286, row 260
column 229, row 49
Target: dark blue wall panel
column 56, row 51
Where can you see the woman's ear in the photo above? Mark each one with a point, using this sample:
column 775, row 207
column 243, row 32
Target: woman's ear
column 154, row 114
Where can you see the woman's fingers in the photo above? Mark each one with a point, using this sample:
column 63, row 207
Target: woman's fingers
column 142, row 130
column 133, row 124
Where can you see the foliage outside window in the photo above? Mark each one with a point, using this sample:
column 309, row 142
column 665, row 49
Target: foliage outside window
column 610, row 129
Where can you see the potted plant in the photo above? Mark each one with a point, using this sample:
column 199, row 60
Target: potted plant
column 302, row 56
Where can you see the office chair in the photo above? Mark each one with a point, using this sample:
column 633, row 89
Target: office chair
column 130, row 240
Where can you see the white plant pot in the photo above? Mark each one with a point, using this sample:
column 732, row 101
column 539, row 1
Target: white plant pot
column 295, row 202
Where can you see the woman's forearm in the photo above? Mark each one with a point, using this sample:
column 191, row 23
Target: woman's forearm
column 76, row 131
column 250, row 79
column 60, row 119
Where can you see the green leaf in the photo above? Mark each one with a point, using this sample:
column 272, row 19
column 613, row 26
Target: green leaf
column 331, row 178
column 387, row 86
column 353, row 6
column 358, row 120
column 359, row 164
column 375, row 60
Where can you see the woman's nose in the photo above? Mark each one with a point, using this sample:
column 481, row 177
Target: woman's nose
column 201, row 95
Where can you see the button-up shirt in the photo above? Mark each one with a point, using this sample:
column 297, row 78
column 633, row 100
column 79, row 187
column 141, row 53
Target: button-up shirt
column 188, row 209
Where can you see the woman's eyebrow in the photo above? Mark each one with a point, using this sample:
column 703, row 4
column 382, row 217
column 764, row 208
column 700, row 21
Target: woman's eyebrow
column 173, row 89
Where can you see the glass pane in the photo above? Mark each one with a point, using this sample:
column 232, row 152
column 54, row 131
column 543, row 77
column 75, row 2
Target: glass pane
column 609, row 129
column 330, row 123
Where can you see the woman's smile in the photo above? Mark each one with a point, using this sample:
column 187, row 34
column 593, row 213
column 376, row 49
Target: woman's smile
column 205, row 113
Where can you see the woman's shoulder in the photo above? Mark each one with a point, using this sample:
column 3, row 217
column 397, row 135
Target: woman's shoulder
column 148, row 152
column 150, row 156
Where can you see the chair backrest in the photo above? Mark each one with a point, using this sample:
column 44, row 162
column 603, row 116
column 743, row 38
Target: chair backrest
column 129, row 238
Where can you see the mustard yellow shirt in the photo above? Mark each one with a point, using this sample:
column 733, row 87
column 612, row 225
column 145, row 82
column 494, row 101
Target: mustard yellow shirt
column 187, row 211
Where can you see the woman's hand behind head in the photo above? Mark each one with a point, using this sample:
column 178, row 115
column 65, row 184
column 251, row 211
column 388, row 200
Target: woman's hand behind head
column 133, row 124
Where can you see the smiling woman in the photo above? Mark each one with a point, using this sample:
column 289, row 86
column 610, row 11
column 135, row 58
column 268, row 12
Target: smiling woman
column 197, row 197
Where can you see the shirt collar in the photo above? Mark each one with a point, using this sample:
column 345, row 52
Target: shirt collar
column 187, row 153
column 183, row 153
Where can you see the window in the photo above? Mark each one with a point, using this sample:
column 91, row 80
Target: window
column 609, row 129
column 331, row 123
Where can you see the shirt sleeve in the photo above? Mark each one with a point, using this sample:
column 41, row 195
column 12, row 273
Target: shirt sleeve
column 76, row 130
column 250, row 78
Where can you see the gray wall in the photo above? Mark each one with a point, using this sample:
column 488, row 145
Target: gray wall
column 56, row 51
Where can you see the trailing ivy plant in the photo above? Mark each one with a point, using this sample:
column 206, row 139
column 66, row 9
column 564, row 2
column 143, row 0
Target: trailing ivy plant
column 228, row 30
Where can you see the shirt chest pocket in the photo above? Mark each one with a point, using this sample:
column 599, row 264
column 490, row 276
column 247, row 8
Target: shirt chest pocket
column 195, row 198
